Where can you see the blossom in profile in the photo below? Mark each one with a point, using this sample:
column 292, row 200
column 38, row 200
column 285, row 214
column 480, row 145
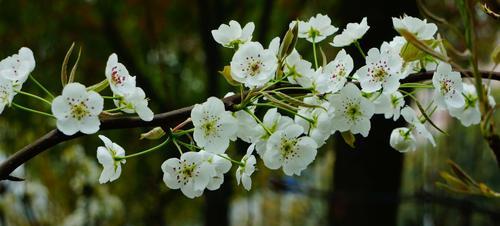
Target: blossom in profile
column 232, row 35
column 316, row 29
column 135, row 102
column 120, row 81
column 18, row 67
column 352, row 33
column 109, row 157
column 420, row 28
column 402, row 140
column 246, row 169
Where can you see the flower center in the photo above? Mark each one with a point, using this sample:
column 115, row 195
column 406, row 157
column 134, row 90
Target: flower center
column 288, row 148
column 115, row 76
column 79, row 110
column 185, row 172
column 445, row 86
column 340, row 71
column 352, row 111
column 313, row 33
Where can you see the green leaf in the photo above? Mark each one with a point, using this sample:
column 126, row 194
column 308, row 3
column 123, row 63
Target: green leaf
column 495, row 55
column 75, row 66
column 154, row 134
column 64, row 67
column 421, row 45
column 289, row 42
column 461, row 174
column 349, row 138
column 226, row 72
column 323, row 56
column 99, row 86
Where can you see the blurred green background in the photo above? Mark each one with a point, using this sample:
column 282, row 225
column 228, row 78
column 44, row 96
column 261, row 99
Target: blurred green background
column 168, row 46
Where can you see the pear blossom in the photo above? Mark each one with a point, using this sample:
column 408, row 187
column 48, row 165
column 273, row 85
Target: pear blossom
column 352, row 111
column 232, row 35
column 253, row 65
column 338, row 70
column 381, row 71
column 7, row 93
column 77, row 110
column 288, row 150
column 245, row 171
column 135, row 102
column 410, row 116
column 248, row 129
column 448, row 86
column 221, row 166
column 389, row 104
column 316, row 29
column 191, row 173
column 120, row 81
column 420, row 28
column 107, row 155
column 318, row 82
column 321, row 128
column 213, row 126
column 469, row 113
column 17, row 67
column 402, row 140
column 297, row 69
column 351, row 33
column 273, row 121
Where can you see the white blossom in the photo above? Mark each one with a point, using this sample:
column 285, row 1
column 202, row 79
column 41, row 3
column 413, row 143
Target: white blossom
column 245, row 171
column 321, row 127
column 381, row 71
column 77, row 110
column 402, row 140
column 410, row 116
column 120, row 81
column 221, row 166
column 232, row 35
column 106, row 155
column 7, row 93
column 352, row 111
column 286, row 149
column 17, row 67
column 351, row 33
column 389, row 104
column 448, row 86
column 316, row 29
column 213, row 125
column 420, row 28
column 297, row 69
column 135, row 102
column 338, row 70
column 273, row 121
column 191, row 173
column 248, row 128
column 469, row 113
column 253, row 65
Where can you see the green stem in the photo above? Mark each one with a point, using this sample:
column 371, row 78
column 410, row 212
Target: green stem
column 287, row 110
column 258, row 120
column 177, row 146
column 358, row 46
column 182, row 132
column 116, row 109
column 190, row 146
column 41, row 86
column 314, row 53
column 34, row 96
column 145, row 151
column 32, row 110
column 233, row 161
column 110, row 97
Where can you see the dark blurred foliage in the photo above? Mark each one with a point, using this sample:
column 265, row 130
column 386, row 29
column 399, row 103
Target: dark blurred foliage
column 168, row 46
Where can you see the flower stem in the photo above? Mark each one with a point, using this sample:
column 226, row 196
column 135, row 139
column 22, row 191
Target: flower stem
column 258, row 120
column 358, row 46
column 41, row 86
column 32, row 110
column 315, row 55
column 182, row 132
column 34, row 96
column 116, row 109
column 110, row 97
column 177, row 146
column 145, row 151
column 233, row 161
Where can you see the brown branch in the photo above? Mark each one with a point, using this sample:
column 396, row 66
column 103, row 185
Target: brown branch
column 167, row 119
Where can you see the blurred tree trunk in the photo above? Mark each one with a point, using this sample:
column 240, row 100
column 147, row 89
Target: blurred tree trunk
column 367, row 178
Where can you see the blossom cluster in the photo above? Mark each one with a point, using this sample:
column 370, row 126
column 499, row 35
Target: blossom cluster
column 289, row 106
